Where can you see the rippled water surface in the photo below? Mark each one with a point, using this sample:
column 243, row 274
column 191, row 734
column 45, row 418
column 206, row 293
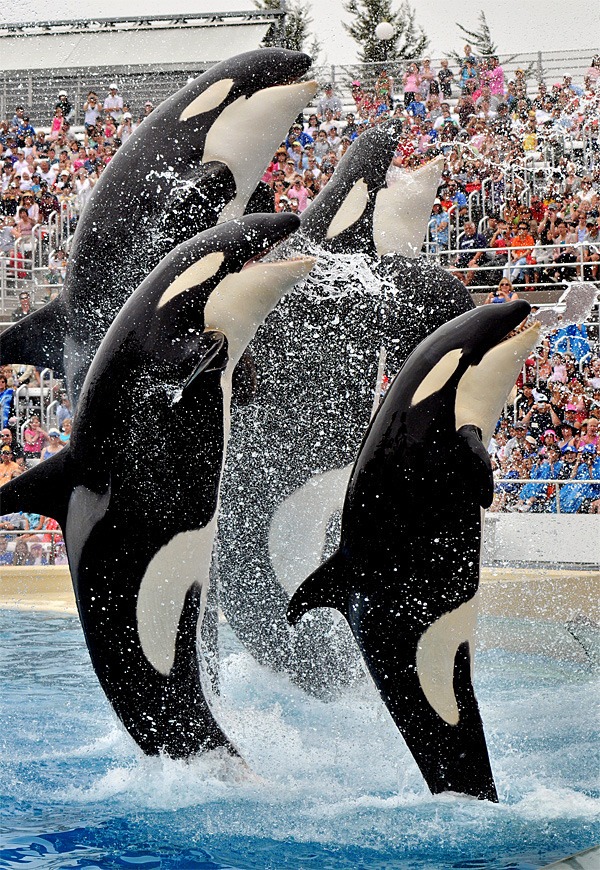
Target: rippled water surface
column 333, row 785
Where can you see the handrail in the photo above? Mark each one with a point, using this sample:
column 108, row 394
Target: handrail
column 49, row 547
column 549, row 482
column 577, row 248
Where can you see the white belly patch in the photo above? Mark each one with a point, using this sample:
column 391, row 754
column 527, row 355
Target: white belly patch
column 436, row 652
column 185, row 560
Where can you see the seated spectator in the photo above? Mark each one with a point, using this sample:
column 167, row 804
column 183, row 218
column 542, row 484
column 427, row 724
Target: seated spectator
column 589, row 433
column 24, row 307
column 539, row 497
column 567, row 433
column 21, row 553
column 503, row 293
column 471, row 256
column 8, row 467
column 6, row 556
column 521, row 247
column 581, row 464
column 34, row 438
column 37, row 556
column 66, row 427
column 54, row 445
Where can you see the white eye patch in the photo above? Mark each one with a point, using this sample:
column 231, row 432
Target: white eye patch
column 438, row 376
column 209, row 99
column 350, row 210
column 196, row 274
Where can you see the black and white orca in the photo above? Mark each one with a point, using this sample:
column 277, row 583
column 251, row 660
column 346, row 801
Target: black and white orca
column 193, row 162
column 317, row 362
column 406, row 573
column 367, row 207
column 136, row 492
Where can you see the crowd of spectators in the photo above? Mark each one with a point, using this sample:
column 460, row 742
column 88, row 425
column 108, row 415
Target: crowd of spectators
column 483, row 124
column 466, row 110
column 551, row 431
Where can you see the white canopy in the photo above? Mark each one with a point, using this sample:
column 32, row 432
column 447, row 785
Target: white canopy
column 134, row 45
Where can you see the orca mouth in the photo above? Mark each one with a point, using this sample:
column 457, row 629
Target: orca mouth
column 261, row 259
column 530, row 323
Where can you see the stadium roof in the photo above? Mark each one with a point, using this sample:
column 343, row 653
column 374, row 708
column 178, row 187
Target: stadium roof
column 198, row 39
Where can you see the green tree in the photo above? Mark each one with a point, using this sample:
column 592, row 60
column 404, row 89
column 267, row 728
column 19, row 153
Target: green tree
column 296, row 34
column 409, row 40
column 481, row 39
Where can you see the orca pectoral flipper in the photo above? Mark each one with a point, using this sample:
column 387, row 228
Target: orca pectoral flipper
column 213, row 357
column 37, row 339
column 45, row 489
column 482, row 465
column 325, row 587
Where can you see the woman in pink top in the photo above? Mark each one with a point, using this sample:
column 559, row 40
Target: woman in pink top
column 299, row 192
column 57, row 122
column 412, row 83
column 34, row 438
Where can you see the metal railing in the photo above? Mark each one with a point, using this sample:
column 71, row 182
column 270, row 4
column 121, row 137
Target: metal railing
column 53, row 550
column 41, row 400
column 502, row 261
column 552, row 499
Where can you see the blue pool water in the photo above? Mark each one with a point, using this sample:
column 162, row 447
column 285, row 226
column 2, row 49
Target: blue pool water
column 333, row 784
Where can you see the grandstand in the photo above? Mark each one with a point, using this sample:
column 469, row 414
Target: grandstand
column 148, row 55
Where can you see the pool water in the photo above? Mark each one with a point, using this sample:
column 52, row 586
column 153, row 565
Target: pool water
column 332, row 784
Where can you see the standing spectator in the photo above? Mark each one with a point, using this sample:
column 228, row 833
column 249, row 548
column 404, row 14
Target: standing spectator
column 439, row 229
column 445, row 76
column 125, row 128
column 384, row 88
column 329, row 101
column 91, row 109
column 427, row 74
column 65, row 104
column 34, row 438
column 57, row 123
column 411, row 81
column 148, row 109
column 113, row 104
column 541, row 417
column 298, row 192
column 9, row 234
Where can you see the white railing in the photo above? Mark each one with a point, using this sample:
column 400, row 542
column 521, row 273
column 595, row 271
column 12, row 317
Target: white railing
column 552, row 498
column 503, row 261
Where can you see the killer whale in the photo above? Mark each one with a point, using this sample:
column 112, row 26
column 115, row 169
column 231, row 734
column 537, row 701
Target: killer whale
column 363, row 209
column 136, row 492
column 194, row 161
column 406, row 573
column 316, row 359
